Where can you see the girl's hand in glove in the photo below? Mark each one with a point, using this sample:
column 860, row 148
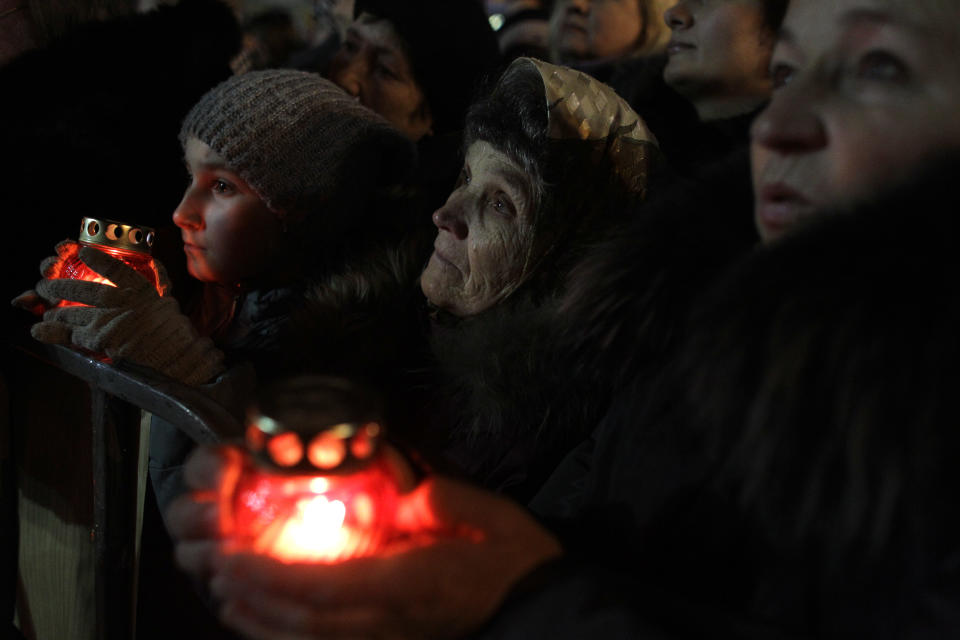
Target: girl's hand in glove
column 30, row 300
column 130, row 321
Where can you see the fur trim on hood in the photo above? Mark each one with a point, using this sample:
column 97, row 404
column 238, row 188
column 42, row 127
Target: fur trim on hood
column 368, row 323
column 528, row 380
column 824, row 374
column 626, row 301
column 511, row 406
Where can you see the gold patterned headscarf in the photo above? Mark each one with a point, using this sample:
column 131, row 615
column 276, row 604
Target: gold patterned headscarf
column 583, row 108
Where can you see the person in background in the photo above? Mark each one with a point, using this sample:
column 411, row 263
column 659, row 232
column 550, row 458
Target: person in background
column 619, row 42
column 713, row 81
column 719, row 53
column 813, row 147
column 589, row 33
column 523, row 28
column 704, row 205
column 418, row 63
column 330, row 21
column 270, row 40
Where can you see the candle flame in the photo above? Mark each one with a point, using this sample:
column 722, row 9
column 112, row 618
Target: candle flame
column 314, row 532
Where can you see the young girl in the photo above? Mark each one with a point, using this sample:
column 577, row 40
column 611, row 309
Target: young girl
column 292, row 182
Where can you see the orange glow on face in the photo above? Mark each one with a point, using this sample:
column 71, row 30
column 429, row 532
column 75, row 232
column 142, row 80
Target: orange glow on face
column 326, row 451
column 285, row 449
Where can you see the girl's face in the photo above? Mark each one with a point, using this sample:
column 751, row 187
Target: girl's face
column 484, row 235
column 229, row 234
column 863, row 91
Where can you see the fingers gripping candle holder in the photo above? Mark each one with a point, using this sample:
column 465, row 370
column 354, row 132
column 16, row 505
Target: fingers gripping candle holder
column 314, row 485
column 129, row 243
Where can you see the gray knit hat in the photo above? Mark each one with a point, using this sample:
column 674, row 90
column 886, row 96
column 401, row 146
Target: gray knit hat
column 297, row 138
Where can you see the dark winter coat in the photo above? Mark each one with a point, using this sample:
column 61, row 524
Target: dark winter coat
column 791, row 474
column 368, row 323
column 529, row 380
column 363, row 322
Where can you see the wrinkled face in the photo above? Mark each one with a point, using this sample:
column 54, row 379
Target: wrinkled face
column 864, row 89
column 373, row 66
column 484, row 235
column 594, row 29
column 717, row 47
column 229, row 234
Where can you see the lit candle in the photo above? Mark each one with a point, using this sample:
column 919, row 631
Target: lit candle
column 314, row 485
column 131, row 244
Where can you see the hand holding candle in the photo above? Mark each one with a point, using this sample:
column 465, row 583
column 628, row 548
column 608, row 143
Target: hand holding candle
column 50, row 267
column 127, row 319
column 463, row 550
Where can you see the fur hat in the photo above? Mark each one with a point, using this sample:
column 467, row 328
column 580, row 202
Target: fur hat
column 296, row 138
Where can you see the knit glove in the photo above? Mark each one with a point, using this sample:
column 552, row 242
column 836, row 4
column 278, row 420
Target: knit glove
column 129, row 321
column 30, row 300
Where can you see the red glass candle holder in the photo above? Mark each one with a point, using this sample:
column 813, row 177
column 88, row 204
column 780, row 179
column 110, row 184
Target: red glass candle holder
column 131, row 244
column 314, row 485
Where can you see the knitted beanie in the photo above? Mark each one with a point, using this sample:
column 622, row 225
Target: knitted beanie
column 297, row 139
column 452, row 48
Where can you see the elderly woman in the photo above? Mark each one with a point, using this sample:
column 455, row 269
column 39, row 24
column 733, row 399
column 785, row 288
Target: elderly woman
column 553, row 160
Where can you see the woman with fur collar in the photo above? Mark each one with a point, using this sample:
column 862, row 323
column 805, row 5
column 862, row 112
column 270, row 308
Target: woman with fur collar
column 553, row 160
column 790, row 471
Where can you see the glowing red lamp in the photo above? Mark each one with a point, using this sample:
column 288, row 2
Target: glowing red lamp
column 131, row 244
column 314, row 485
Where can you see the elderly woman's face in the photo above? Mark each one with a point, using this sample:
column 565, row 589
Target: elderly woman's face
column 484, row 235
column 594, row 29
column 864, row 89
